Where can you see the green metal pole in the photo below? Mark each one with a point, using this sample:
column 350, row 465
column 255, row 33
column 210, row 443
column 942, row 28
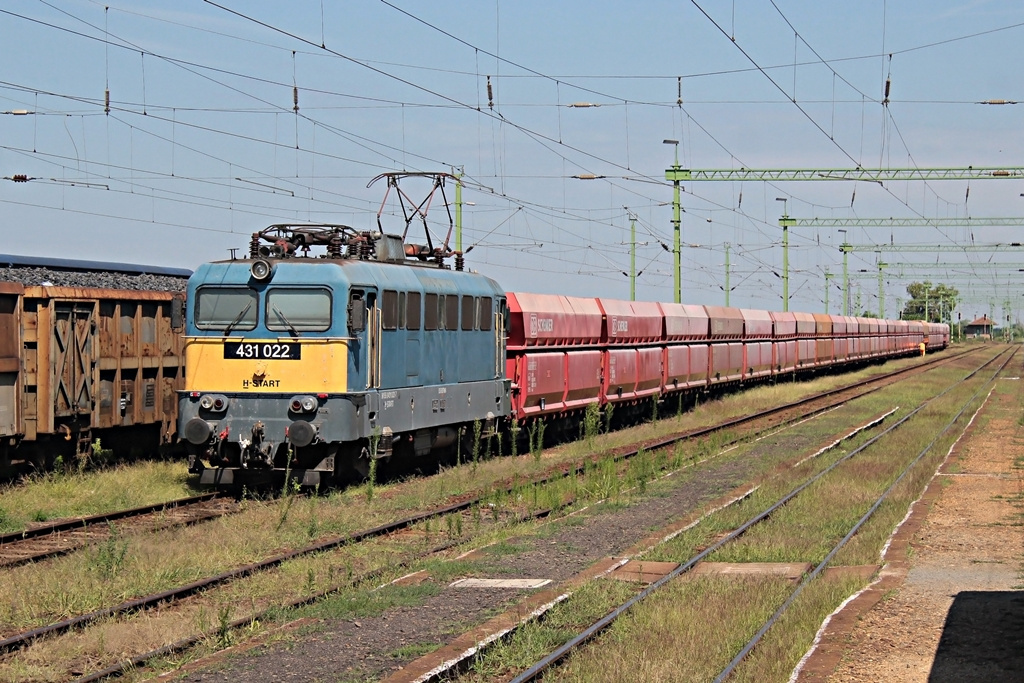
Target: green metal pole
column 632, row 257
column 677, row 222
column 458, row 211
column 846, row 278
column 785, row 222
column 727, row 288
column 881, row 291
column 828, row 286
column 676, row 174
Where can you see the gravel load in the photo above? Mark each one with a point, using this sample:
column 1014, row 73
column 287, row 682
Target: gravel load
column 32, row 275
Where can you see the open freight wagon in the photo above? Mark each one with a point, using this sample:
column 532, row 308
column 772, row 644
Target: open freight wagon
column 80, row 367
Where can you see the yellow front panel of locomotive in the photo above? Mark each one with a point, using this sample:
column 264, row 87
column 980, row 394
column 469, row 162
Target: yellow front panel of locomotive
column 257, row 365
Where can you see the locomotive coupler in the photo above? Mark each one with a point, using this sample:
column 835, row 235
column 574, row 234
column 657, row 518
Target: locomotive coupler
column 256, row 453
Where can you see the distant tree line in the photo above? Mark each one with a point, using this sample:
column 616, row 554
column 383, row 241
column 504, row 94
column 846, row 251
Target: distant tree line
column 933, row 303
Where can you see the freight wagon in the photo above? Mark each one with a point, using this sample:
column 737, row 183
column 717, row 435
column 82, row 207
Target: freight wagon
column 81, row 366
column 564, row 353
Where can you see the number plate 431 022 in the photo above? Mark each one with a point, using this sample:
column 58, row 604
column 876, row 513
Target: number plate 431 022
column 262, row 351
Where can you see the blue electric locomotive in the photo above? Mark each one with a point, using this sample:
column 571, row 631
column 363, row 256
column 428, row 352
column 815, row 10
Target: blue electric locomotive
column 313, row 364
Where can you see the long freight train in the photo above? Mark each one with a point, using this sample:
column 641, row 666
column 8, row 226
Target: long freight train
column 311, row 365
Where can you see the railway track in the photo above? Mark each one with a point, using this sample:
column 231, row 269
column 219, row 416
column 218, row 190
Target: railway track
column 585, row 636
column 51, row 540
column 811, row 405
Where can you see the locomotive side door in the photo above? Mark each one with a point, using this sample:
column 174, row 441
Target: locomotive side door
column 373, row 345
column 364, row 331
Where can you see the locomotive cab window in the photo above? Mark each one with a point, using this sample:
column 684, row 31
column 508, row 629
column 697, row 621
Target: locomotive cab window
column 412, row 311
column 298, row 310
column 356, row 311
column 389, row 310
column 467, row 313
column 226, row 308
column 484, row 313
column 451, row 312
column 430, row 317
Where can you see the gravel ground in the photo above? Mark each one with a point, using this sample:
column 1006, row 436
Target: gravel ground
column 98, row 279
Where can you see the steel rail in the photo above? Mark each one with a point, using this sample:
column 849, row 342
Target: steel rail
column 25, row 638
column 550, row 660
column 183, row 512
column 856, row 527
column 83, row 522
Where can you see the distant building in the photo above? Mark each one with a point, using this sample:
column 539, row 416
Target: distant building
column 980, row 328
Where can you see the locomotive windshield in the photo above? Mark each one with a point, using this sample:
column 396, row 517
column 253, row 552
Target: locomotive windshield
column 226, row 308
column 294, row 310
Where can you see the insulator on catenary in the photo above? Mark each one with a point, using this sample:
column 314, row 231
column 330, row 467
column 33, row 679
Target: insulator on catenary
column 20, row 178
column 490, row 94
column 679, row 91
column 295, row 98
column 106, row 101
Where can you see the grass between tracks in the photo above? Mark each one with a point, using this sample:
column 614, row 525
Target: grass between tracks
column 57, row 495
column 124, row 567
column 691, row 629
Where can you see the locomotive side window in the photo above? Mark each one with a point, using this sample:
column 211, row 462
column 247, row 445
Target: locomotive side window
column 226, row 308
column 468, row 312
column 412, row 311
column 430, row 317
column 294, row 310
column 485, row 313
column 389, row 310
column 356, row 311
column 401, row 310
column 451, row 312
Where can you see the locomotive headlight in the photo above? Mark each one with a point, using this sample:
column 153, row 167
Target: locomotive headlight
column 214, row 402
column 303, row 404
column 261, row 270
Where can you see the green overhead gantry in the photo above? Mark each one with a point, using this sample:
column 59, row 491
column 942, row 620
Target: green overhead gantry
column 874, row 175
column 923, row 248
column 842, row 224
column 677, row 174
column 962, row 266
column 906, row 222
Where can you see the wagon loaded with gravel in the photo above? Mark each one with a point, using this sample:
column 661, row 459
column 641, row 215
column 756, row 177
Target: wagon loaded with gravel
column 90, row 359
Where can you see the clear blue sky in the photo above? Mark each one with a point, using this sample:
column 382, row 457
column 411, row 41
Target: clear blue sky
column 201, row 146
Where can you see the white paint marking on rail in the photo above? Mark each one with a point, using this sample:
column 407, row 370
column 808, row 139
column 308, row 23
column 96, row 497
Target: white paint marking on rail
column 797, row 423
column 469, row 652
column 821, row 632
column 742, row 496
column 844, row 438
